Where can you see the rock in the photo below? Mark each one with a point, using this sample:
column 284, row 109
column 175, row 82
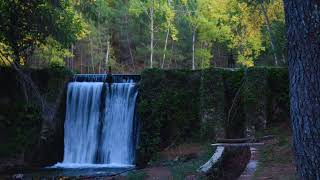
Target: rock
column 213, row 161
column 17, row 177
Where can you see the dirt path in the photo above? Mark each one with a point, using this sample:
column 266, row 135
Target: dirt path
column 251, row 166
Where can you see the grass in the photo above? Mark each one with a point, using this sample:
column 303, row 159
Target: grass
column 276, row 157
column 181, row 169
column 136, row 175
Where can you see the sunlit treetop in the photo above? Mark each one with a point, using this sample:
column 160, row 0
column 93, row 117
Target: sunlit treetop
column 26, row 24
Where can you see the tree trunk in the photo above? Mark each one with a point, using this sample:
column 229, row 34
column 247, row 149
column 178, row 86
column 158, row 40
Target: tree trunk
column 231, row 60
column 107, row 55
column 303, row 34
column 81, row 64
column 72, row 58
column 165, row 48
column 100, row 52
column 151, row 33
column 129, row 42
column 269, row 29
column 193, row 48
column 91, row 54
column 171, row 56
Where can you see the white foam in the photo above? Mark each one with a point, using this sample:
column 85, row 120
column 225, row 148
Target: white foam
column 85, row 166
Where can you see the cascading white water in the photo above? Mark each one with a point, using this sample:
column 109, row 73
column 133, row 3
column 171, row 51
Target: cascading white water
column 82, row 122
column 100, row 124
column 118, row 129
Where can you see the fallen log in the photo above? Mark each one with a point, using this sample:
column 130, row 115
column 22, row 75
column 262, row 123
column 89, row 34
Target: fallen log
column 236, row 144
column 240, row 140
column 244, row 140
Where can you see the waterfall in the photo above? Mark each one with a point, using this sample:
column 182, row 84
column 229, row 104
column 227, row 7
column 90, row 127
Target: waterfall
column 100, row 126
column 82, row 122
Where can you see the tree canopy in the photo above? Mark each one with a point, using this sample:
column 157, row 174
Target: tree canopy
column 130, row 35
column 25, row 25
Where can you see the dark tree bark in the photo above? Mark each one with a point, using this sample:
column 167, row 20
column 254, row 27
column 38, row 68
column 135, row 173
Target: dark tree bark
column 303, row 34
column 231, row 60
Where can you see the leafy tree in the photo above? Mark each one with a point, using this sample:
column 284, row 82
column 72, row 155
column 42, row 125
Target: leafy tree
column 194, row 18
column 52, row 53
column 272, row 12
column 159, row 13
column 26, row 24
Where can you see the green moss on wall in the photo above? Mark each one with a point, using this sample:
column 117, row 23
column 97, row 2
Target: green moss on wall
column 278, row 101
column 20, row 121
column 255, row 94
column 19, row 129
column 169, row 109
column 212, row 102
column 180, row 105
column 234, row 123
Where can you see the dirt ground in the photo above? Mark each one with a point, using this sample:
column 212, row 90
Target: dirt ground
column 275, row 158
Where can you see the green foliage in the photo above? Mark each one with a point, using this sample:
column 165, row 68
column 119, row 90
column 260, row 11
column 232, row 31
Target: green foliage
column 212, row 102
column 278, row 100
column 52, row 52
column 136, row 175
column 234, row 122
column 204, row 57
column 234, row 24
column 168, row 109
column 240, row 26
column 98, row 11
column 21, row 121
column 26, row 24
column 255, row 94
column 22, row 127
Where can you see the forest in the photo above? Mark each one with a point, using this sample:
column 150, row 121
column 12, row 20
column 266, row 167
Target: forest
column 160, row 89
column 88, row 36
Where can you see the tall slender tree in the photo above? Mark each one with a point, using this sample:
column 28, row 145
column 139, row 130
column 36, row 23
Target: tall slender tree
column 303, row 34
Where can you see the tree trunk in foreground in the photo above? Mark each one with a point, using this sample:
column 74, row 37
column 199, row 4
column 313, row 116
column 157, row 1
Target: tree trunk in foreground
column 303, row 34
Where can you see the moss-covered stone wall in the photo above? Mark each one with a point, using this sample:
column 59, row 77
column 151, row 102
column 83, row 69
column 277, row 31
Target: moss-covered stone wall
column 20, row 118
column 181, row 105
column 169, row 109
column 255, row 94
column 212, row 103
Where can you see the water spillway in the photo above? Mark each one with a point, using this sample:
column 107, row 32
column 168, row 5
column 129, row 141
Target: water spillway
column 116, row 78
column 100, row 125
